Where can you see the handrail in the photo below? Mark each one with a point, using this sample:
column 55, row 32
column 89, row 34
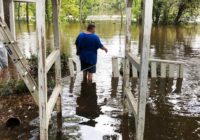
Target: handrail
column 167, row 67
column 165, row 61
column 135, row 59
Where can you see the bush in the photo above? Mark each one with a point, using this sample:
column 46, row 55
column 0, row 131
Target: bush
column 17, row 86
column 13, row 87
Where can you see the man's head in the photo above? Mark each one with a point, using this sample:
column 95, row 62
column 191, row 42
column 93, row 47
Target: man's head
column 91, row 28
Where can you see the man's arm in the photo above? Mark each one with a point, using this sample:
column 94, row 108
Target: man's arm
column 105, row 49
column 100, row 45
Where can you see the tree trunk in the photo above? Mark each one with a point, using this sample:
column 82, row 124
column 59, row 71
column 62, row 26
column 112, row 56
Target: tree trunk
column 141, row 8
column 182, row 7
column 18, row 11
column 47, row 10
column 27, row 12
column 165, row 16
column 80, row 11
column 157, row 17
column 121, row 11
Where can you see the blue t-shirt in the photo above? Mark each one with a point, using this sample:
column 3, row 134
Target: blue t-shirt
column 87, row 45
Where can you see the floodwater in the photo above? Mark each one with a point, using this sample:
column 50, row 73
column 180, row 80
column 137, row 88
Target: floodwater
column 94, row 111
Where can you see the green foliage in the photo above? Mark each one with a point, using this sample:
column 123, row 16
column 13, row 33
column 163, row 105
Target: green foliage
column 69, row 10
column 21, row 87
column 170, row 11
column 109, row 7
column 14, row 86
column 175, row 11
column 136, row 10
column 164, row 11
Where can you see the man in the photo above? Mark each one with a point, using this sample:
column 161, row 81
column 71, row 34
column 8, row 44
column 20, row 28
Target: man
column 87, row 44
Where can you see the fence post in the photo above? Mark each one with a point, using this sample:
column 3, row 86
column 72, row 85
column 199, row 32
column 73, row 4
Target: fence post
column 71, row 67
column 56, row 30
column 12, row 18
column 126, row 65
column 128, row 42
column 163, row 70
column 134, row 72
column 42, row 71
column 115, row 67
column 171, row 70
column 153, row 70
column 1, row 9
column 144, row 62
column 180, row 71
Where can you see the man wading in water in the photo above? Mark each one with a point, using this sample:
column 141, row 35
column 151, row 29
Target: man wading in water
column 87, row 44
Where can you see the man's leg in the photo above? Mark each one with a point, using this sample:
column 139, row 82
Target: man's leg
column 84, row 75
column 90, row 77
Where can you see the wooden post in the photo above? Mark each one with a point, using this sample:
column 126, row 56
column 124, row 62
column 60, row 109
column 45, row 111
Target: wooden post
column 134, row 72
column 163, row 70
column 162, row 89
column 12, row 18
column 2, row 16
column 42, row 77
column 59, row 113
column 71, row 67
column 146, row 33
column 153, row 70
column 115, row 67
column 180, row 71
column 126, row 65
column 128, row 42
column 56, row 29
column 179, row 84
column 171, row 70
column 1, row 9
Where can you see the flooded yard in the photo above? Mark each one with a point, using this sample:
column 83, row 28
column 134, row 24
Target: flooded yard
column 95, row 112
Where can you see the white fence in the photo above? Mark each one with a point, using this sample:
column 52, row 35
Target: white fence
column 157, row 67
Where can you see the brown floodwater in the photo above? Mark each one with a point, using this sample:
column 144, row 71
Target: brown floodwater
column 94, row 111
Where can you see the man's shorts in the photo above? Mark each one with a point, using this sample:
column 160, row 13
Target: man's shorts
column 91, row 68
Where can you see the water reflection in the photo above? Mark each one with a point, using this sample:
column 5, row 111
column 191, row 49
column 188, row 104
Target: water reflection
column 87, row 103
column 71, row 86
column 179, row 84
column 161, row 119
column 114, row 83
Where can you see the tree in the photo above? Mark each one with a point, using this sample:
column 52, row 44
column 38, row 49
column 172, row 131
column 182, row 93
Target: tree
column 187, row 8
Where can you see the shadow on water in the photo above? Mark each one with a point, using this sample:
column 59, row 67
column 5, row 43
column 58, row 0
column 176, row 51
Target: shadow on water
column 71, row 86
column 87, row 103
column 85, row 117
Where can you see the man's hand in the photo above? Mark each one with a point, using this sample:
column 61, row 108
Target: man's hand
column 105, row 49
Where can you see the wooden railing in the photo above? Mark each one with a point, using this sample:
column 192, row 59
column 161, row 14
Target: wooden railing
column 157, row 67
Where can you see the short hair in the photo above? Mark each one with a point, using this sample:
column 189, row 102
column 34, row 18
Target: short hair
column 90, row 27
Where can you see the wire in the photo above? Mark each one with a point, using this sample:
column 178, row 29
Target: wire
column 94, row 66
column 86, row 69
